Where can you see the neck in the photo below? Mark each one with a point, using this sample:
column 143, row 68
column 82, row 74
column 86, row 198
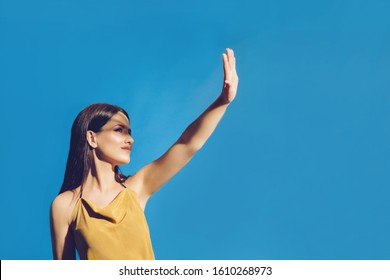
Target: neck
column 101, row 176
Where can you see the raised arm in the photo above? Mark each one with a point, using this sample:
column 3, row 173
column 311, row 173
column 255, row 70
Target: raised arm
column 151, row 177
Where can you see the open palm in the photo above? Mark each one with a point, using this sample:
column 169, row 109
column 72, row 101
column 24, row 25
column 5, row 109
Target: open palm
column 230, row 83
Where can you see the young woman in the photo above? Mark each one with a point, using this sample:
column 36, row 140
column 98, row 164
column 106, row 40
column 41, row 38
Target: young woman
column 99, row 211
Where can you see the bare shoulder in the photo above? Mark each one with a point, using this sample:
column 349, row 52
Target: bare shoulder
column 64, row 203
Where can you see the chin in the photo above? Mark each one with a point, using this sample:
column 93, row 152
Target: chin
column 123, row 161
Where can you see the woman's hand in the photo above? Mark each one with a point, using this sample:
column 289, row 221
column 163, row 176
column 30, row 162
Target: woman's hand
column 230, row 83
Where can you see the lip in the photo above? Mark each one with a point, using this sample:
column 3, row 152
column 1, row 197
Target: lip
column 126, row 148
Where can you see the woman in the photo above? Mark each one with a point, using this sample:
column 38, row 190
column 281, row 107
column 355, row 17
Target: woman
column 99, row 211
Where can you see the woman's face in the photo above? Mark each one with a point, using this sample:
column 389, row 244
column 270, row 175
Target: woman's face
column 114, row 141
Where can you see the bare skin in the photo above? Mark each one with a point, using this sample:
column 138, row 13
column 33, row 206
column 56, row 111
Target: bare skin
column 112, row 147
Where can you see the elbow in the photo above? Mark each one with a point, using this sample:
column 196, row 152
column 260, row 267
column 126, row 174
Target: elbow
column 191, row 146
column 194, row 146
column 193, row 149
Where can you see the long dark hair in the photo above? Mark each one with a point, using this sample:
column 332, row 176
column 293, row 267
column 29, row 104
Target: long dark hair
column 79, row 163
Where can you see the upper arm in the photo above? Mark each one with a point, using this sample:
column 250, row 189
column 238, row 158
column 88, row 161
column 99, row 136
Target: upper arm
column 61, row 234
column 152, row 176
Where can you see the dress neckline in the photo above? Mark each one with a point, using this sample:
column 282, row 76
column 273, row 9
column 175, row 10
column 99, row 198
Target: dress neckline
column 99, row 208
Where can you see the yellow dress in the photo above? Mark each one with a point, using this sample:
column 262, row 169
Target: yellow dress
column 118, row 231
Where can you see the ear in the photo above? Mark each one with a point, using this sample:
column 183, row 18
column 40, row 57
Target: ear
column 91, row 138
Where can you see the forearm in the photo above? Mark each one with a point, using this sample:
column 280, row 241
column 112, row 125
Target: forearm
column 197, row 133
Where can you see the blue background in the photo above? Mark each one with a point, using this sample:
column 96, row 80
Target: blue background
column 298, row 167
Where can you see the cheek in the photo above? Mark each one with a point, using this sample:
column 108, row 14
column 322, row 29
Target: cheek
column 111, row 139
column 116, row 139
column 109, row 148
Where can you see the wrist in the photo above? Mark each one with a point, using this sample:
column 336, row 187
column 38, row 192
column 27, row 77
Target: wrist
column 223, row 100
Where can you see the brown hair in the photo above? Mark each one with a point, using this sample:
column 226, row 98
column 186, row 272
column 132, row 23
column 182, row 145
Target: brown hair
column 79, row 163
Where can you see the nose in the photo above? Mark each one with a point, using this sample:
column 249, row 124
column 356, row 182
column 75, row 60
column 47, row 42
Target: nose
column 129, row 139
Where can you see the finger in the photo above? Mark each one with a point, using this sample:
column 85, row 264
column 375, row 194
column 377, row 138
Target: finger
column 231, row 58
column 225, row 65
